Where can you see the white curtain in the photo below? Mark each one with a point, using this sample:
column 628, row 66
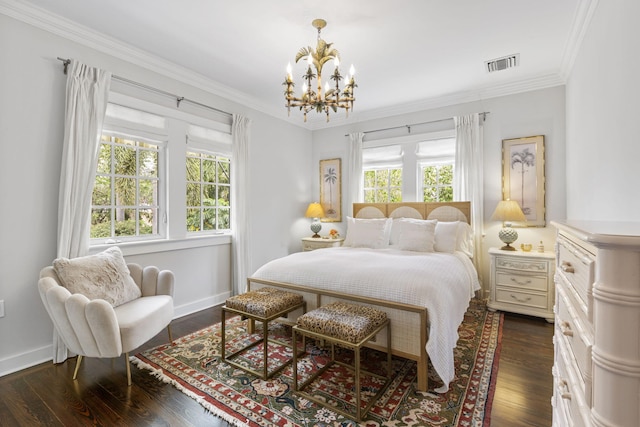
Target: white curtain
column 468, row 177
column 355, row 168
column 86, row 102
column 240, row 134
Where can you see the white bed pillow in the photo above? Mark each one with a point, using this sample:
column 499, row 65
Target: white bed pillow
column 446, row 237
column 465, row 239
column 368, row 233
column 101, row 276
column 416, row 235
column 394, row 235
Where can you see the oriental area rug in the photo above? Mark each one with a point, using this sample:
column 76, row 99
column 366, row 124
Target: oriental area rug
column 193, row 366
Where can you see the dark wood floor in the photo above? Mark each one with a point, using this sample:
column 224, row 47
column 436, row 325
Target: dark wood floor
column 46, row 395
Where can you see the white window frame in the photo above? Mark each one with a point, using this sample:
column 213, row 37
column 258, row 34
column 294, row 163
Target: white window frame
column 427, row 163
column 410, row 161
column 173, row 165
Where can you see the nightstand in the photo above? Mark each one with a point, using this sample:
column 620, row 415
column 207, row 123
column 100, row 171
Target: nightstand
column 311, row 244
column 522, row 282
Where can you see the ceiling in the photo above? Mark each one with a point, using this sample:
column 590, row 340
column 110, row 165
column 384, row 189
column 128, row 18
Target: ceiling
column 408, row 54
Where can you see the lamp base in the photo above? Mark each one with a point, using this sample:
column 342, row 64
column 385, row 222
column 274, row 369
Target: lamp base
column 508, row 235
column 316, row 227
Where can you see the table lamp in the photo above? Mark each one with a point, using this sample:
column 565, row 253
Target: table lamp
column 316, row 212
column 508, row 211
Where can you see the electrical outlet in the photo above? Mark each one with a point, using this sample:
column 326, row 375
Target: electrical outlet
column 1, row 308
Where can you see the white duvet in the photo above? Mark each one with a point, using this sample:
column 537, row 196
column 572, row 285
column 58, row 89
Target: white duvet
column 444, row 283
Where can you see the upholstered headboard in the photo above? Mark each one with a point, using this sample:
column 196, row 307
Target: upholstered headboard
column 442, row 211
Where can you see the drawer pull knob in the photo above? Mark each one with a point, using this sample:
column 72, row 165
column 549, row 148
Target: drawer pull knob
column 564, row 386
column 566, row 267
column 527, row 299
column 518, row 282
column 566, row 329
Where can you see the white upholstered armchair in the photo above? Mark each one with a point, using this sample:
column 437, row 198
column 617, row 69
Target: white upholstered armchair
column 95, row 328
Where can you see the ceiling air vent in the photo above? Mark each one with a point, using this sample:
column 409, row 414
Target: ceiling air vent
column 503, row 63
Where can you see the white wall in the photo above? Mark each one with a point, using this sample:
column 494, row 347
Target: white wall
column 603, row 142
column 540, row 112
column 32, row 88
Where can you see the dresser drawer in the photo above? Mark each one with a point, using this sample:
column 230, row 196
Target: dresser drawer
column 522, row 264
column 577, row 267
column 577, row 340
column 528, row 299
column 568, row 395
column 507, row 278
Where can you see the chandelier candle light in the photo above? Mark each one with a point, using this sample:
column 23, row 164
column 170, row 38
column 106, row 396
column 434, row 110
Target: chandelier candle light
column 331, row 98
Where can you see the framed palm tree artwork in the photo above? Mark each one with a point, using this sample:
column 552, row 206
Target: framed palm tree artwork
column 331, row 190
column 523, row 177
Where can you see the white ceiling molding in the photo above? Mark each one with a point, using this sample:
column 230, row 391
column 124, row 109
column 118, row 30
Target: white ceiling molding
column 586, row 9
column 62, row 27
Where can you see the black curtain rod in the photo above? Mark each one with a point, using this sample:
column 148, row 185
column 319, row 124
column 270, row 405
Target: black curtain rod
column 178, row 99
column 408, row 127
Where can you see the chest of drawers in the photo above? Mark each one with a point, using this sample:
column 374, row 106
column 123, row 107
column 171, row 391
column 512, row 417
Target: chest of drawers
column 522, row 282
column 597, row 329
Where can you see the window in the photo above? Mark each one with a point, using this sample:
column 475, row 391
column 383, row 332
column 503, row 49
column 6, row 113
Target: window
column 437, row 182
column 435, row 161
column 417, row 167
column 382, row 167
column 149, row 184
column 208, row 192
column 383, row 185
column 125, row 193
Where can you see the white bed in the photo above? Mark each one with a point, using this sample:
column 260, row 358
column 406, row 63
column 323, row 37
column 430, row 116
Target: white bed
column 424, row 290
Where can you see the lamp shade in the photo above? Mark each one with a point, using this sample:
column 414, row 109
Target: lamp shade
column 507, row 211
column 314, row 211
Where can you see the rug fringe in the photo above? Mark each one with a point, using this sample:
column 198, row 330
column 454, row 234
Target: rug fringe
column 158, row 373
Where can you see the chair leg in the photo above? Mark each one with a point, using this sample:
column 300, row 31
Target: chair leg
column 126, row 359
column 169, row 331
column 78, row 362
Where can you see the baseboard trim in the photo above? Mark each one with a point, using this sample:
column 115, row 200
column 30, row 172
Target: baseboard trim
column 25, row 360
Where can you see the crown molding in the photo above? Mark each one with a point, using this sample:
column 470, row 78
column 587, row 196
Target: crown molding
column 581, row 21
column 478, row 94
column 85, row 36
column 70, row 30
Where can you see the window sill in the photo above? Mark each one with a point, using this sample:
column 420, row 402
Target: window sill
column 164, row 245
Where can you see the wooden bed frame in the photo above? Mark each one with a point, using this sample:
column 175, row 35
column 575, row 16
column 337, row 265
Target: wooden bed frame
column 409, row 323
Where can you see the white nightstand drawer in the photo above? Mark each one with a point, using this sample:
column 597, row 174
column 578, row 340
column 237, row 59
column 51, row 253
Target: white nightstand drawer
column 311, row 244
column 521, row 281
column 522, row 264
column 521, row 298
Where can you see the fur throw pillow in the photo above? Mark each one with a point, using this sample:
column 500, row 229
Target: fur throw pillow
column 101, row 276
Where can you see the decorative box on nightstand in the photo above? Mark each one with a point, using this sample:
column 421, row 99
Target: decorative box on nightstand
column 311, row 244
column 522, row 282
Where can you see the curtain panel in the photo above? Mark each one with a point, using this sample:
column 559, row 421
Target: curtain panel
column 468, row 176
column 86, row 102
column 355, row 167
column 240, row 134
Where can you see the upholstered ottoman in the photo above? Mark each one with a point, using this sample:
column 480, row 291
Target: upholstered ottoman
column 263, row 305
column 349, row 326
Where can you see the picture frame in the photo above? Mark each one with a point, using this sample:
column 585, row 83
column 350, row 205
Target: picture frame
column 331, row 189
column 523, row 177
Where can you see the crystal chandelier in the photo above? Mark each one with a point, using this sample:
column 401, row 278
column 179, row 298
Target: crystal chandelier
column 321, row 100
